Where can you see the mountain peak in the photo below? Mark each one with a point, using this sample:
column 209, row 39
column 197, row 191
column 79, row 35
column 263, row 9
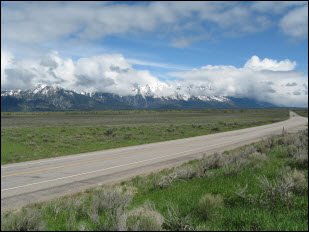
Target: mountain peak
column 44, row 97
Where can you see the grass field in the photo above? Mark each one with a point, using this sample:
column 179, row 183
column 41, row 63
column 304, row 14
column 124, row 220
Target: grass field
column 262, row 186
column 30, row 136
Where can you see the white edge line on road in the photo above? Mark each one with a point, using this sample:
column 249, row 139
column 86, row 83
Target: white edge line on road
column 42, row 182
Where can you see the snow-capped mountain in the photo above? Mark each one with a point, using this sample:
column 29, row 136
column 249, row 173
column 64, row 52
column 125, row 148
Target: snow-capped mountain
column 53, row 98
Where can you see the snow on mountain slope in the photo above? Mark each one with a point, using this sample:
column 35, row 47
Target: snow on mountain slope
column 44, row 97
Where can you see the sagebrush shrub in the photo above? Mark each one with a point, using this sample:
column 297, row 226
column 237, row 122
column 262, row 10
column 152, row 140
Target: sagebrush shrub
column 209, row 204
column 300, row 182
column 232, row 169
column 22, row 221
column 186, row 172
column 144, row 218
column 175, row 222
column 278, row 191
column 167, row 180
column 113, row 201
column 213, row 161
column 257, row 159
column 300, row 160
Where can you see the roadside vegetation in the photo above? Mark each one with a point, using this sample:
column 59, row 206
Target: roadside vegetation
column 262, row 186
column 31, row 136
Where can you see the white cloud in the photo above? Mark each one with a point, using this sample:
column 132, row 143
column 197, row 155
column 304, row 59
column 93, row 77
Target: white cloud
column 295, row 23
column 108, row 73
column 15, row 73
column 185, row 41
column 33, row 22
column 268, row 64
column 266, row 80
column 112, row 73
column 155, row 64
column 6, row 61
column 275, row 6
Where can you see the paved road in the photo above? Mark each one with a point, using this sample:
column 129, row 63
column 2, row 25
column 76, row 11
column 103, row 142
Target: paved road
column 40, row 180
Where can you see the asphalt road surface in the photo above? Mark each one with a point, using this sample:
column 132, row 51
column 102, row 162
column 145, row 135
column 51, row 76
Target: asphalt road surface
column 40, row 180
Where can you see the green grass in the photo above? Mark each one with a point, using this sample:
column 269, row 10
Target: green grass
column 285, row 207
column 24, row 138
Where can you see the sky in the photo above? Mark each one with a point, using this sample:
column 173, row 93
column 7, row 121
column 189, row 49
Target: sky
column 250, row 49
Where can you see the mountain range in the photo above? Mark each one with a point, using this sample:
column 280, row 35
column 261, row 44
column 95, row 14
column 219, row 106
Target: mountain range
column 53, row 98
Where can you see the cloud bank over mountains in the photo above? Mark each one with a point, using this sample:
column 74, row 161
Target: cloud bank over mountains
column 266, row 79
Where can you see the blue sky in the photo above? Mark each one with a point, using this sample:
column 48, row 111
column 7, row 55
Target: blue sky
column 159, row 44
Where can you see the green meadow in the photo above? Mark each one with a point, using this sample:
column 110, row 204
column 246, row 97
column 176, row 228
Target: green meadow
column 37, row 135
